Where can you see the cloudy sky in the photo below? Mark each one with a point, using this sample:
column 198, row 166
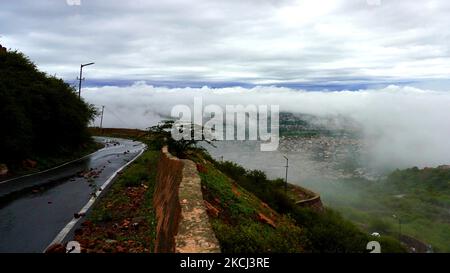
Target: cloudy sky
column 315, row 44
column 152, row 55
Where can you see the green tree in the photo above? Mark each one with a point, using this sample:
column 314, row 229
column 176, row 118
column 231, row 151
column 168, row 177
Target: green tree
column 40, row 115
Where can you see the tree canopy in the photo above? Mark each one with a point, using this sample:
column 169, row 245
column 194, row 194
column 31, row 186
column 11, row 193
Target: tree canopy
column 39, row 114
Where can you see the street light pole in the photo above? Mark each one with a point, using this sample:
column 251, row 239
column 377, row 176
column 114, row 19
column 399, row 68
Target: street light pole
column 81, row 78
column 101, row 119
column 286, row 177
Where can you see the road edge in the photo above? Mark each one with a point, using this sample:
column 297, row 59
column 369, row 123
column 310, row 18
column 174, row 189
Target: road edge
column 51, row 169
column 61, row 237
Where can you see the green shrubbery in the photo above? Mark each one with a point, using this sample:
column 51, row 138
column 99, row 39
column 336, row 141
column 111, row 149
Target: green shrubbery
column 327, row 231
column 237, row 227
column 40, row 115
column 420, row 199
column 135, row 175
column 253, row 237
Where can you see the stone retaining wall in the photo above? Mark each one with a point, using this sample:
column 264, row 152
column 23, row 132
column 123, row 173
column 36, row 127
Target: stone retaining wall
column 313, row 201
column 183, row 224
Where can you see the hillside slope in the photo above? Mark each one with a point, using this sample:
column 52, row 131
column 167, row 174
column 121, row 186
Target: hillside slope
column 250, row 213
column 41, row 117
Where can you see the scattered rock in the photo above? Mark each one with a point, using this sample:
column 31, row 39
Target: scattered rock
column 213, row 211
column 266, row 220
column 235, row 190
column 3, row 170
column 78, row 215
column 265, row 205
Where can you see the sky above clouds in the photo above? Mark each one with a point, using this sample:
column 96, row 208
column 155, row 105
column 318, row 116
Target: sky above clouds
column 307, row 43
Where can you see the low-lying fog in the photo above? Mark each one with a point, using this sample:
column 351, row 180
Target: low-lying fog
column 402, row 126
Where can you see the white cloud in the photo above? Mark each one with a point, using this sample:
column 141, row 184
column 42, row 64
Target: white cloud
column 404, row 126
column 249, row 41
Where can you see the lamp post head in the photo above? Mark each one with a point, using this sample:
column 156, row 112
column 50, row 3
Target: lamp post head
column 83, row 65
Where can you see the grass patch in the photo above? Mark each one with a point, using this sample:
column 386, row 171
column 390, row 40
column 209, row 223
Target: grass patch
column 243, row 223
column 124, row 220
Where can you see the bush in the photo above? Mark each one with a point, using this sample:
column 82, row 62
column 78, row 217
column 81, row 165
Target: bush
column 325, row 232
column 379, row 225
column 39, row 114
column 328, row 232
column 252, row 237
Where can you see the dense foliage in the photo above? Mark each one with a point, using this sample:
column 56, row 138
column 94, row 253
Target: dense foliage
column 325, row 232
column 237, row 226
column 419, row 198
column 162, row 133
column 39, row 114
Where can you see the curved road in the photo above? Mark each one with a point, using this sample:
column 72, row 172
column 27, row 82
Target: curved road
column 34, row 209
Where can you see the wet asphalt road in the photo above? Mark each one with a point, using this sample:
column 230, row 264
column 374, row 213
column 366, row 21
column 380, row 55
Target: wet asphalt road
column 34, row 209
